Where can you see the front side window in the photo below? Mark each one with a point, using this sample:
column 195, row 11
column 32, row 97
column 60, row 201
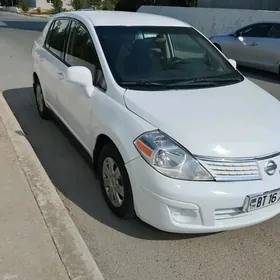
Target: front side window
column 57, row 36
column 81, row 52
column 169, row 56
column 260, row 30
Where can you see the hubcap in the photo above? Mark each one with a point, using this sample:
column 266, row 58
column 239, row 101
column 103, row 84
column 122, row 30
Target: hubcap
column 113, row 182
column 40, row 98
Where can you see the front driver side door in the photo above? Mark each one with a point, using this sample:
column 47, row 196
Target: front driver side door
column 252, row 38
column 74, row 103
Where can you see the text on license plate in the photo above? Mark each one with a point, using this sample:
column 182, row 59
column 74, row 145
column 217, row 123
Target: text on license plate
column 260, row 201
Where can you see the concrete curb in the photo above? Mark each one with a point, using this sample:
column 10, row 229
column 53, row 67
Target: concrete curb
column 70, row 245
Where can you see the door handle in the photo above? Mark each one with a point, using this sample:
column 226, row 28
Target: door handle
column 253, row 44
column 60, row 75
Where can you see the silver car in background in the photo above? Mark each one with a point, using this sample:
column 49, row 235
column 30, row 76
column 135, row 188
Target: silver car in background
column 256, row 45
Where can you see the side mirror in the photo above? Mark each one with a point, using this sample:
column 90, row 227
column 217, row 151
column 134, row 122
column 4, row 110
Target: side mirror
column 80, row 75
column 233, row 63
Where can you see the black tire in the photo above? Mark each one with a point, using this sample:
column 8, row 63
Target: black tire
column 126, row 209
column 41, row 107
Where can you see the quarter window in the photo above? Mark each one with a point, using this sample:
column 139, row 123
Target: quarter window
column 81, row 52
column 56, row 37
column 275, row 31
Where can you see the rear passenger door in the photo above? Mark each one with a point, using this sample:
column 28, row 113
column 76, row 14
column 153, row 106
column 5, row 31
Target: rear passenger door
column 52, row 65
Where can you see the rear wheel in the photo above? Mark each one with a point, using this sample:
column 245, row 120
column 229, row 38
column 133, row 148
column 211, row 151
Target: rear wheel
column 40, row 101
column 115, row 182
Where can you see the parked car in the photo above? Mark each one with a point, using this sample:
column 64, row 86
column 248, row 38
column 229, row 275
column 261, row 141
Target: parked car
column 178, row 136
column 255, row 45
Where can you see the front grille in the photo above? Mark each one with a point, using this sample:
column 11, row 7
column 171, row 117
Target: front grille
column 229, row 213
column 233, row 171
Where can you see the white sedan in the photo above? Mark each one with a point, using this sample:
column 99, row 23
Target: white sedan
column 179, row 137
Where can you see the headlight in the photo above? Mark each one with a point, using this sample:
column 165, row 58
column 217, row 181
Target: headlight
column 168, row 158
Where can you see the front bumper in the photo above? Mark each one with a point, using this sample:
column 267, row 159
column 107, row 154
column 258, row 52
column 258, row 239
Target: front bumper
column 195, row 207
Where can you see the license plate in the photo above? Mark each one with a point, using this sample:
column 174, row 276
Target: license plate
column 255, row 202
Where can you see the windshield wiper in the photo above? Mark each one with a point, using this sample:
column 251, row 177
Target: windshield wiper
column 204, row 81
column 195, row 82
column 143, row 83
column 226, row 80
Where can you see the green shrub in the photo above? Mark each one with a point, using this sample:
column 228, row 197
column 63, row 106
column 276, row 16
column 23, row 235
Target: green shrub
column 24, row 5
column 57, row 6
column 77, row 4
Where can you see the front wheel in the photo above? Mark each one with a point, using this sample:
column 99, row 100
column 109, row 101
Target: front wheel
column 115, row 182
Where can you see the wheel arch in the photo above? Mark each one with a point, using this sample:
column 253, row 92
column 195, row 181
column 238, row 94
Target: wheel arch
column 126, row 149
column 35, row 79
column 101, row 141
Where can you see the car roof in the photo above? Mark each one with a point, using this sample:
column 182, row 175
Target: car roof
column 118, row 18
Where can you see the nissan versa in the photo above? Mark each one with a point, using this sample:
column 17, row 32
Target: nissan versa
column 178, row 136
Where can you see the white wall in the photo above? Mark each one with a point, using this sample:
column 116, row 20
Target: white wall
column 213, row 21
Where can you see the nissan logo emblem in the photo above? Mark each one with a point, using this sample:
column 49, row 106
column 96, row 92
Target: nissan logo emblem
column 270, row 167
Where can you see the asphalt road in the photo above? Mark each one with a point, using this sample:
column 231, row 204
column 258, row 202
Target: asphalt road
column 127, row 250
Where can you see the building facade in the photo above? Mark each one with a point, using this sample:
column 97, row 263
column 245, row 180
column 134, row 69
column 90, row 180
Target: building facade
column 47, row 4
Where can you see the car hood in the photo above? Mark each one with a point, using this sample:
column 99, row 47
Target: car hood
column 239, row 120
column 222, row 36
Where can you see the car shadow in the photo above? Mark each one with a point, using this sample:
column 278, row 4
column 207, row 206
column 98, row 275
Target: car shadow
column 24, row 25
column 69, row 167
column 259, row 75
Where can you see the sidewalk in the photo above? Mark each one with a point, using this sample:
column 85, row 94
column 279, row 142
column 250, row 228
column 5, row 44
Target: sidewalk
column 27, row 251
column 38, row 239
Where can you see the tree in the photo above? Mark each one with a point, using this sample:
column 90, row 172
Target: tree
column 109, row 4
column 78, row 4
column 57, row 6
column 96, row 4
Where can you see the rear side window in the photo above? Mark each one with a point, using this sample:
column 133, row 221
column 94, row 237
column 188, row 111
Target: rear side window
column 81, row 52
column 260, row 30
column 56, row 37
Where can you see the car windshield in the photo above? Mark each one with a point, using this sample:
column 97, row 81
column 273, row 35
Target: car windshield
column 163, row 57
